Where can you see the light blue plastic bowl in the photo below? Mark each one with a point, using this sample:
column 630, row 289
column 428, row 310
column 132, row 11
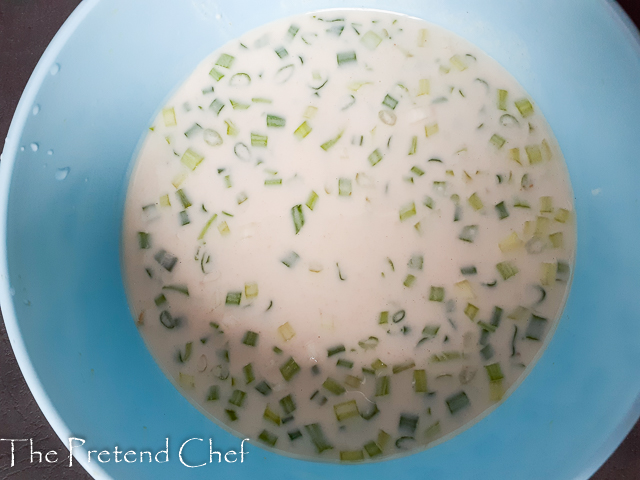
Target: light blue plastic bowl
column 103, row 79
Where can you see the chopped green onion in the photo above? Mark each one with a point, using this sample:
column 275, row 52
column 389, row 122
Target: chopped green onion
column 494, row 372
column 203, row 232
column 293, row 30
column 264, row 388
column 289, row 369
column 160, row 300
column 225, row 60
column 408, row 423
column 169, row 117
column 216, row 106
column 182, row 358
column 303, row 130
column 286, row 331
column 191, row 159
column 375, row 157
column 268, row 438
column 469, row 233
column 372, row 449
column 390, row 102
column 502, row 99
column 346, row 57
column 186, row 203
column 258, row 140
column 273, row 181
column 502, row 211
column 274, row 121
column 563, row 272
column 562, row 215
column 417, row 170
column 167, row 320
column 330, row 143
column 409, row 281
column 471, row 311
column 294, row 434
column 524, row 107
column 420, row 381
column 407, row 211
column 346, row 410
column 291, row 259
column 183, row 289
column 470, row 270
column 475, row 202
column 281, row 52
column 507, row 269
column 333, row 386
column 233, row 298
column 288, row 404
column 298, row 217
column 436, row 294
column 335, row 350
column 166, row 260
column 383, row 385
column 248, row 374
column 214, row 394
column 401, row 367
column 457, row 402
column 250, row 338
column 193, row 130
column 398, row 316
column 317, row 437
column 311, row 201
column 184, row 218
column 144, row 240
column 344, row 187
column 371, row 40
column 384, row 318
column 217, row 75
column 497, row 140
column 232, row 415
column 236, row 105
column 271, row 416
column 536, row 327
column 428, row 202
column 237, row 398
column 431, row 130
column 344, row 363
column 369, row 344
column 414, row 145
column 533, row 154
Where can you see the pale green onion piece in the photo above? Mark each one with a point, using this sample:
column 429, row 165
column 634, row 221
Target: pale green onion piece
column 233, row 298
column 216, row 106
column 288, row 404
column 494, row 372
column 502, row 99
column 369, row 344
column 186, row 381
column 232, row 130
column 378, row 365
column 407, row 211
column 372, row 449
column 249, row 377
column 275, row 121
column 375, row 157
column 186, row 203
column 298, row 217
column 330, row 143
column 533, row 154
column 457, row 402
column 335, row 350
column 293, row 30
column 237, row 398
column 507, row 269
column 333, row 386
column 258, row 140
column 236, row 105
column 227, row 182
column 469, row 233
column 317, row 437
column 289, row 369
column 144, row 240
column 371, row 40
column 240, row 80
column 384, row 318
column 286, row 331
column 502, row 211
column 409, row 281
column 431, row 130
column 424, row 86
column 223, row 228
column 191, row 159
column 416, row 262
column 346, row 57
column 241, row 198
column 184, row 357
column 497, row 140
column 546, row 204
column 273, row 181
column 214, row 394
column 475, row 202
column 160, row 300
column 164, row 201
column 471, row 311
column 390, row 102
column 547, row 273
column 251, row 290
column 417, row 170
column 194, row 130
column 536, row 327
column 225, row 60
column 383, row 386
column 524, row 107
column 303, row 130
column 250, row 338
column 281, row 52
column 346, row 410
column 436, row 294
column 183, row 289
column 312, row 200
column 514, row 154
column 216, row 74
column 291, row 259
column 458, row 63
column 344, row 187
column 260, row 100
column 184, row 218
column 351, row 455
column 203, row 232
column 420, row 381
column 169, row 117
column 432, row 430
column 401, row 367
column 408, row 423
column 562, row 215
column 264, row 388
column 470, row 270
column 414, row 145
column 428, row 202
column 268, row 438
column 166, row 260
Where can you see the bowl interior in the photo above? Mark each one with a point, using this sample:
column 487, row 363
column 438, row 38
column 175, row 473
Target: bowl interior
column 66, row 170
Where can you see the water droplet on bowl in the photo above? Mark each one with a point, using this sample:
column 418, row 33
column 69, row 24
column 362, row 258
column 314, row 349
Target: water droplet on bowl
column 22, row 149
column 12, row 291
column 49, row 152
column 36, row 109
column 62, row 173
column 34, row 146
column 55, row 68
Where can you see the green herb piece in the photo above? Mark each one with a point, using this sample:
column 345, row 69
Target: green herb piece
column 317, row 437
column 275, row 121
column 502, row 211
column 507, row 269
column 346, row 57
column 184, row 218
column 383, row 386
column 471, row 311
column 436, row 294
column 272, row 416
column 457, row 402
column 166, row 260
column 311, row 201
column 144, row 240
column 303, row 130
column 289, row 369
column 502, row 99
column 291, row 259
column 237, row 398
column 346, row 410
column 233, row 416
column 371, row 40
column 183, row 289
column 330, row 143
column 333, row 386
column 432, row 430
column 216, row 106
column 369, row 344
column 186, row 203
column 407, row 211
column 258, row 140
column 216, row 74
column 335, row 350
column 281, row 52
column 420, row 381
column 469, row 233
column 214, row 394
column 408, row 423
column 236, row 105
column 344, row 363
column 414, row 145
column 475, row 202
column 351, row 455
column 264, row 388
column 344, row 187
column 268, row 438
column 298, row 217
column 250, row 338
column 288, row 404
column 470, row 270
column 535, row 329
column 401, row 367
column 375, row 157
column 191, row 159
column 273, row 181
column 160, row 300
column 372, row 449
column 524, row 107
column 409, row 281
column 533, row 154
column 225, row 60
column 390, row 102
column 204, row 230
column 494, row 372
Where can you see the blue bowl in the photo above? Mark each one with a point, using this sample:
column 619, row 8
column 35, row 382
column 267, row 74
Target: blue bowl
column 64, row 175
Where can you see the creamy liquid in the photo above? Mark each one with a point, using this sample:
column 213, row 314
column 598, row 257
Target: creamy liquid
column 438, row 249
